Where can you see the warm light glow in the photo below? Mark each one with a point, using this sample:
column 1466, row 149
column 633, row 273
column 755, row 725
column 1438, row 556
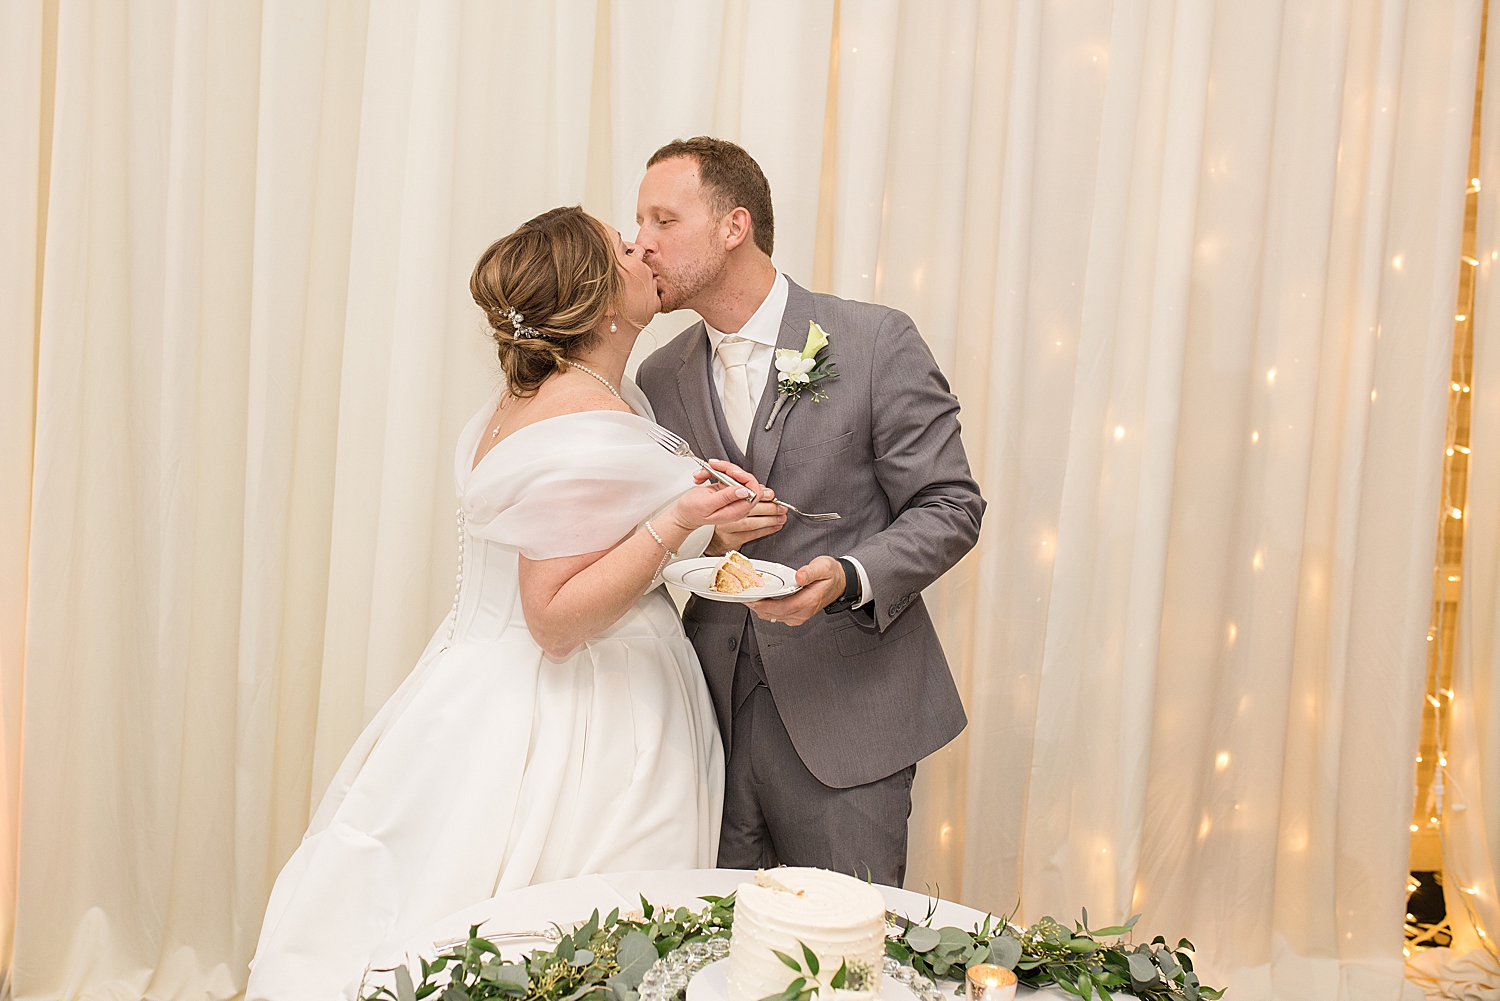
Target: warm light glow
column 1222, row 761
column 1396, row 262
column 1372, row 396
column 1474, row 183
column 1450, row 451
column 1462, row 448
column 1471, row 262
column 1457, row 514
column 1442, row 762
column 1460, row 317
column 1119, row 433
column 1271, row 377
column 1259, row 560
column 1452, row 577
column 1435, row 703
column 1446, row 693
column 1254, row 436
column 1233, row 631
column 1414, row 830
column 1466, row 389
column 1454, row 386
column 1204, row 827
column 1471, row 890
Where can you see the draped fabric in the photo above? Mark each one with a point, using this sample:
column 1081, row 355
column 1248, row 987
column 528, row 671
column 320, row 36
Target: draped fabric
column 1471, row 803
column 1190, row 268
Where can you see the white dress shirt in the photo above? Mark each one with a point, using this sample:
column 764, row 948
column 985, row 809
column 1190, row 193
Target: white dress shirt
column 763, row 327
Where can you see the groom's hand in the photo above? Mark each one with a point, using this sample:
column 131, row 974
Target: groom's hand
column 822, row 582
column 764, row 519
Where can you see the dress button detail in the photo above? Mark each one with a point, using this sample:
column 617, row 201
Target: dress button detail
column 458, row 580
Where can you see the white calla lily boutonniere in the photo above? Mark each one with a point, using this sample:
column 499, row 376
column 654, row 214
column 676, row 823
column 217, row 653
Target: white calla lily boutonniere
column 799, row 370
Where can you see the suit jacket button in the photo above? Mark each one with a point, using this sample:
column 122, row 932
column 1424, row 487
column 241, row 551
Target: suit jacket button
column 733, row 643
column 893, row 609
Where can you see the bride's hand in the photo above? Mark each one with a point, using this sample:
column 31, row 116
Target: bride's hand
column 712, row 503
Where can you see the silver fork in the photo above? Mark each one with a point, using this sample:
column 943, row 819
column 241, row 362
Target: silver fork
column 679, row 446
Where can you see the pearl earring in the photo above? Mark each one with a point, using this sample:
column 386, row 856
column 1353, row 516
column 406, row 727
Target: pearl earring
column 612, row 327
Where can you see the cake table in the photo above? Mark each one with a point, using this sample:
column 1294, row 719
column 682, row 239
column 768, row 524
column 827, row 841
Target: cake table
column 569, row 901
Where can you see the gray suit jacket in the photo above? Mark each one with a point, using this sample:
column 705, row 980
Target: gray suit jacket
column 863, row 693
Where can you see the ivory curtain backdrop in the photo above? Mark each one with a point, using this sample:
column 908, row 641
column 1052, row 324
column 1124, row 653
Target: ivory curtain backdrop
column 1189, row 266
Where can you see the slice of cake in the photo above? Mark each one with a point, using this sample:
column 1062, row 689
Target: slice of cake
column 736, row 575
column 840, row 918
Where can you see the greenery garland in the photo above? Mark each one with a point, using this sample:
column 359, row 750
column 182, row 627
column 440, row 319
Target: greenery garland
column 604, row 960
column 1083, row 962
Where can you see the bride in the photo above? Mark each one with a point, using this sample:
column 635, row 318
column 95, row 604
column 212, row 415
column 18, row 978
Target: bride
column 558, row 723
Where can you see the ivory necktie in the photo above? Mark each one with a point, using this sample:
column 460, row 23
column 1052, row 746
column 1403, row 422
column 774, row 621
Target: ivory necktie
column 739, row 405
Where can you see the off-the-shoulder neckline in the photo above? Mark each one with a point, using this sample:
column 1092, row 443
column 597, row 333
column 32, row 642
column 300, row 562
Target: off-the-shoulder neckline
column 474, row 465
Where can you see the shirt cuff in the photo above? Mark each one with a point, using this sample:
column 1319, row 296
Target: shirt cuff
column 866, row 595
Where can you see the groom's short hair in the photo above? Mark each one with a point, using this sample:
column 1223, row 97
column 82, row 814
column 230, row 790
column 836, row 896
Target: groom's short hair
column 731, row 178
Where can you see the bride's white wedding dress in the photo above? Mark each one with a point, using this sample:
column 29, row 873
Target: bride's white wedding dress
column 494, row 766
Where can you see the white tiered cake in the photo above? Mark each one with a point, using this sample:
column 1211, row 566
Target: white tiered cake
column 840, row 918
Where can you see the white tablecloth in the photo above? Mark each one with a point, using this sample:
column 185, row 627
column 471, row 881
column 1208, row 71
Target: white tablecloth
column 569, row 901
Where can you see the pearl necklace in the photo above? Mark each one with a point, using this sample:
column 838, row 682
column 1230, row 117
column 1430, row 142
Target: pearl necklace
column 581, row 368
column 596, row 375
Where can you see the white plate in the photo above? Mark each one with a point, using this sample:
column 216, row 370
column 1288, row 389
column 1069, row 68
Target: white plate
column 698, row 575
column 712, row 984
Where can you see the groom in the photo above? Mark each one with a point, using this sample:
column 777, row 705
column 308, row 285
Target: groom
column 827, row 698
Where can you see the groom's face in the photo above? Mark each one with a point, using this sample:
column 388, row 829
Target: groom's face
column 682, row 238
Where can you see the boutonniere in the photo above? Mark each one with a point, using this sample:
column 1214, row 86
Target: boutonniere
column 799, row 370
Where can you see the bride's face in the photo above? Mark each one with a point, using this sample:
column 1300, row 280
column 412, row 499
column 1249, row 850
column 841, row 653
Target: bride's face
column 640, row 300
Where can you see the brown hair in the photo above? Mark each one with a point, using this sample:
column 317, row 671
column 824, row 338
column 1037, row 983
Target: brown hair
column 560, row 273
column 731, row 178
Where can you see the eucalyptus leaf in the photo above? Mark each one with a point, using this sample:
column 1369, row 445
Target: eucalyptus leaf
column 811, row 957
column 454, row 993
column 512, row 975
column 1142, row 970
column 620, row 990
column 922, row 938
column 404, row 989
column 582, row 958
column 1005, row 951
column 635, row 954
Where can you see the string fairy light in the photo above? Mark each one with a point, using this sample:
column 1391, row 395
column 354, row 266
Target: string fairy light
column 1433, row 779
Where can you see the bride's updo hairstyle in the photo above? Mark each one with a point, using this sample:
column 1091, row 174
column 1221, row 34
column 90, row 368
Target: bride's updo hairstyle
column 544, row 290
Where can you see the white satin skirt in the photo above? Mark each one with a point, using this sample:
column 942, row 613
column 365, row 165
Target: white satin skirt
column 494, row 767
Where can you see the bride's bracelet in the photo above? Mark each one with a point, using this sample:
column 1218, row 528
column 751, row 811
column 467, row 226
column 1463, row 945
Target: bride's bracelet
column 668, row 549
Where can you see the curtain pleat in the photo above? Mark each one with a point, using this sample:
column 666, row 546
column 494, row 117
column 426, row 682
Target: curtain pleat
column 1189, row 268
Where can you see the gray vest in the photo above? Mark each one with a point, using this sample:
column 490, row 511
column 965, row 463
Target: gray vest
column 749, row 668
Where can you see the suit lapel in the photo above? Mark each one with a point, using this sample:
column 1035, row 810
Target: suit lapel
column 793, row 335
column 693, row 386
